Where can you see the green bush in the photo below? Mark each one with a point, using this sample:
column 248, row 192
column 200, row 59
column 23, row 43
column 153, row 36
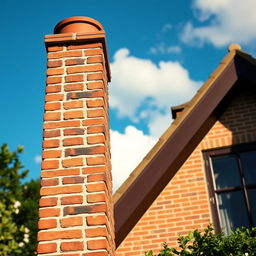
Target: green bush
column 242, row 241
column 18, row 206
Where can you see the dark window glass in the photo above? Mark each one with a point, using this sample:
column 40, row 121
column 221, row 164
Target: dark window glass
column 252, row 199
column 226, row 172
column 233, row 211
column 248, row 160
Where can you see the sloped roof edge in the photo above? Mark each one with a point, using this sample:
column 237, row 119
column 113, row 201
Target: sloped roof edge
column 139, row 191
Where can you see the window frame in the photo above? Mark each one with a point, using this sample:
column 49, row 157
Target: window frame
column 222, row 151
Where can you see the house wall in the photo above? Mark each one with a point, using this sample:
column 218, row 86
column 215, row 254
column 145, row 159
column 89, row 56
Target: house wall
column 184, row 205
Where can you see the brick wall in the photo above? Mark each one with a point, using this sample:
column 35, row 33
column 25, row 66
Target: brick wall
column 183, row 205
column 76, row 213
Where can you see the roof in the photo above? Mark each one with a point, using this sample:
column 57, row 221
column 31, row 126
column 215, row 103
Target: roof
column 177, row 109
column 158, row 167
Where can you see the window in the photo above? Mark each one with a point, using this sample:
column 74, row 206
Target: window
column 231, row 175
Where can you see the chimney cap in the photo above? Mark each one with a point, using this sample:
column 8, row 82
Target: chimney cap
column 233, row 47
column 78, row 24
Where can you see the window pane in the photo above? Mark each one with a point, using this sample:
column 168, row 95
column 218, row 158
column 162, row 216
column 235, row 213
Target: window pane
column 226, row 172
column 233, row 211
column 248, row 160
column 252, row 196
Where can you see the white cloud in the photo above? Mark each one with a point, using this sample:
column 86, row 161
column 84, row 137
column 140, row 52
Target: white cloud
column 142, row 90
column 164, row 49
column 159, row 123
column 136, row 80
column 228, row 21
column 38, row 159
column 127, row 151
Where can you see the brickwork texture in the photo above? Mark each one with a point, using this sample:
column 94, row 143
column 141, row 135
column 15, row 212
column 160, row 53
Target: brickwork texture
column 76, row 211
column 184, row 204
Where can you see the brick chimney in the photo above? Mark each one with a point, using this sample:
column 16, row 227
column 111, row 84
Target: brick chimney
column 76, row 214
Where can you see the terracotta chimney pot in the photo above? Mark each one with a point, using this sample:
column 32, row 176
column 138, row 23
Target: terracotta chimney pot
column 78, row 24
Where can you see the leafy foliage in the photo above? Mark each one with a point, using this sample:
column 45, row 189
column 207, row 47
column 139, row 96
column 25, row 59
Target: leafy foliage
column 241, row 242
column 18, row 206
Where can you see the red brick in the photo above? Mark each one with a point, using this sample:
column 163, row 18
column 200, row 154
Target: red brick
column 84, row 46
column 51, row 143
column 55, row 48
column 96, row 177
column 74, row 131
column 97, row 244
column 54, row 235
column 96, row 220
column 58, row 55
column 50, row 106
column 95, row 103
column 96, row 59
column 73, row 104
column 54, row 63
column 74, row 210
column 73, row 180
column 74, row 114
column 52, row 116
column 67, row 200
column 55, row 71
column 51, row 154
column 83, row 69
column 64, row 172
column 45, row 191
column 94, row 169
column 54, row 80
column 50, row 164
column 94, row 139
column 50, row 134
column 49, row 182
column 85, row 94
column 94, row 121
column 95, row 85
column 49, row 201
column 49, row 212
column 96, row 187
column 96, row 232
column 53, row 88
column 46, row 248
column 74, row 78
column 96, row 129
column 95, row 76
column 77, row 61
column 93, row 52
column 73, row 87
column 73, row 141
column 85, row 151
column 71, row 221
column 95, row 113
column 54, row 97
column 97, row 160
column 63, row 124
column 46, row 224
column 72, row 246
column 72, row 162
column 101, row 253
column 96, row 198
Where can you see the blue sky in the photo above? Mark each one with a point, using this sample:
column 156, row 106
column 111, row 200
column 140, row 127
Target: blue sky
column 160, row 53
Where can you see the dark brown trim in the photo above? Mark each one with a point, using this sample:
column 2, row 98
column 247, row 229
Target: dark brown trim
column 156, row 175
column 177, row 109
column 210, row 185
